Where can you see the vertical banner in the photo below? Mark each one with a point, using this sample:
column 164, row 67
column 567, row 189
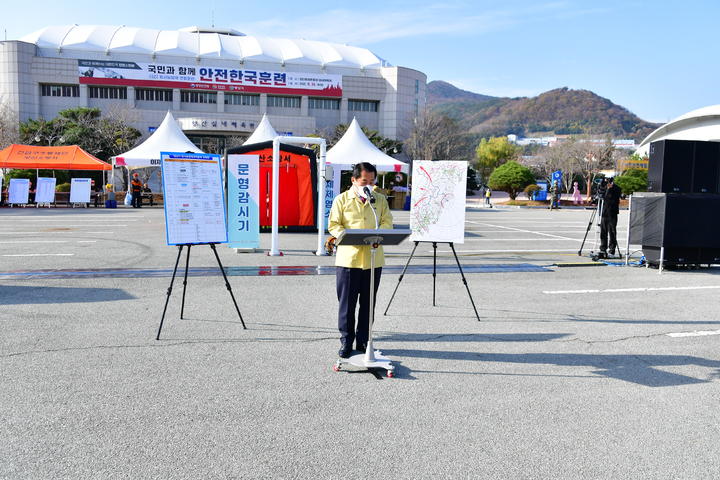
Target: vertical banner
column 194, row 198
column 557, row 176
column 45, row 190
column 332, row 189
column 80, row 190
column 437, row 207
column 243, row 174
column 19, row 191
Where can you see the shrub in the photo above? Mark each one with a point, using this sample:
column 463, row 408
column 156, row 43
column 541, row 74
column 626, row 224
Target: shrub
column 511, row 178
column 530, row 190
column 63, row 187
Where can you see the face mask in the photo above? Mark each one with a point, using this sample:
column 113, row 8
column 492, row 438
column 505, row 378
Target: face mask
column 359, row 191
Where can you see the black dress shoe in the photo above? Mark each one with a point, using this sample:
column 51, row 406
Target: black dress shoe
column 345, row 350
column 361, row 347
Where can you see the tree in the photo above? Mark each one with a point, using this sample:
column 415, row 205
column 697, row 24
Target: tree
column 633, row 180
column 9, row 131
column 436, row 136
column 101, row 134
column 493, row 153
column 511, row 178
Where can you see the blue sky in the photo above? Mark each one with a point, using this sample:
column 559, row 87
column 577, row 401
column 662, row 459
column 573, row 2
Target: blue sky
column 658, row 59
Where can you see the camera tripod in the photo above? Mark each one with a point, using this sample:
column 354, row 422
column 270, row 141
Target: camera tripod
column 595, row 219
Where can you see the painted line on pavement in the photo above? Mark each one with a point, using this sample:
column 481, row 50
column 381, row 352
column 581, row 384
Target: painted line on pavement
column 39, row 241
column 617, row 290
column 41, row 255
column 530, row 231
column 694, row 334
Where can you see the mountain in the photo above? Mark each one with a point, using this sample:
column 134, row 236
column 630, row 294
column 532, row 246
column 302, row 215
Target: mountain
column 558, row 112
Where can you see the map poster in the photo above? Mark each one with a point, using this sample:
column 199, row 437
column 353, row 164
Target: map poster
column 80, row 190
column 194, row 198
column 437, row 205
column 243, row 201
column 45, row 191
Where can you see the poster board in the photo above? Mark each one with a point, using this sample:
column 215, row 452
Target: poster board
column 45, row 191
column 437, row 205
column 80, row 190
column 243, row 201
column 194, row 199
column 19, row 191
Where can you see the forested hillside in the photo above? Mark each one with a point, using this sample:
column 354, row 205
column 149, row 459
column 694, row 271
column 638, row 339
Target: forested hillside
column 558, row 112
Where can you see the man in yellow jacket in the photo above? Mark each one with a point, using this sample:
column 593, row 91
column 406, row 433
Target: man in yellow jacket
column 352, row 210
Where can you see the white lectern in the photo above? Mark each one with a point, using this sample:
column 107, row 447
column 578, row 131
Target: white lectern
column 371, row 238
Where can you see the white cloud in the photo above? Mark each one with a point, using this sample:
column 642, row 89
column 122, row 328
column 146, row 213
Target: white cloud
column 358, row 27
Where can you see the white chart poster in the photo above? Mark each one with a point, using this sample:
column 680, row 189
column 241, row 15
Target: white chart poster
column 45, row 191
column 437, row 205
column 19, row 190
column 194, row 198
column 80, row 190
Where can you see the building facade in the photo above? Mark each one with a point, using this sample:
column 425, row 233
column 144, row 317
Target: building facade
column 218, row 83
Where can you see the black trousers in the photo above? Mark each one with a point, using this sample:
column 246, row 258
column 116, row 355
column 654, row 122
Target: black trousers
column 351, row 284
column 136, row 199
column 608, row 227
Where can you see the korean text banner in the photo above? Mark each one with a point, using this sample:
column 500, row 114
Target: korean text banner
column 196, row 77
column 243, row 201
column 194, row 198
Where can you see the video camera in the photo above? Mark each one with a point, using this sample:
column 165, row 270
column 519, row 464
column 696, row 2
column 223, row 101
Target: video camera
column 602, row 184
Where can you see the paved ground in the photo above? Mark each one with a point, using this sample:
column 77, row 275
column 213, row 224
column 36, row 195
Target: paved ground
column 572, row 372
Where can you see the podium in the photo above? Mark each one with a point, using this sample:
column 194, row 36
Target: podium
column 371, row 238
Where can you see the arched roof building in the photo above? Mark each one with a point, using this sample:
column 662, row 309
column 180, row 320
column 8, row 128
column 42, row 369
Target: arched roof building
column 700, row 124
column 218, row 83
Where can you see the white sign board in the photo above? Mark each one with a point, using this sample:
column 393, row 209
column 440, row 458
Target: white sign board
column 194, row 198
column 437, row 205
column 243, row 201
column 45, row 191
column 19, row 190
column 80, row 190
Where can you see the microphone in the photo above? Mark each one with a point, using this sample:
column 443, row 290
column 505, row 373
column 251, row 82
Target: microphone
column 371, row 200
column 368, row 194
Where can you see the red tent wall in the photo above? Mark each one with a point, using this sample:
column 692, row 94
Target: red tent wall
column 297, row 195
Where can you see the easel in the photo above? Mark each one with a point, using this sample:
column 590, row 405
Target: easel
column 452, row 246
column 187, row 263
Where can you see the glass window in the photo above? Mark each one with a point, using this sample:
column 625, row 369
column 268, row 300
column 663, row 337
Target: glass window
column 60, row 91
column 324, row 103
column 417, row 85
column 198, row 97
column 360, row 106
column 287, row 102
column 240, row 99
column 153, row 95
column 114, row 93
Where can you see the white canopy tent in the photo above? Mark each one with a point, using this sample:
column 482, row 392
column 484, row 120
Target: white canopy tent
column 263, row 133
column 354, row 147
column 167, row 138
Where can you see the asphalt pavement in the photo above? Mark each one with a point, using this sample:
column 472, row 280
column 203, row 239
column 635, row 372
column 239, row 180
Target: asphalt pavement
column 576, row 369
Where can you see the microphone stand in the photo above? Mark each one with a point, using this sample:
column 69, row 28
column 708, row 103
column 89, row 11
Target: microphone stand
column 374, row 242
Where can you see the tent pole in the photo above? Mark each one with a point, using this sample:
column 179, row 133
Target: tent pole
column 274, row 252
column 321, row 200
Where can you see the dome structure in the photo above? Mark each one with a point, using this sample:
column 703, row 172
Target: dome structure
column 76, row 41
column 701, row 124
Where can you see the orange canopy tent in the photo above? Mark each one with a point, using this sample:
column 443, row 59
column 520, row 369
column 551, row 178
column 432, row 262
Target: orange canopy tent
column 50, row 158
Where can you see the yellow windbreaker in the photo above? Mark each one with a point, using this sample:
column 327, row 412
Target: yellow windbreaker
column 349, row 211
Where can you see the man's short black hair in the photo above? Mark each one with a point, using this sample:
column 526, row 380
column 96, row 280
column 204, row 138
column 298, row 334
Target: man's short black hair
column 364, row 167
column 611, row 179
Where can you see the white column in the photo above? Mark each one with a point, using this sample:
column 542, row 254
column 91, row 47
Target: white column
column 220, row 102
column 130, row 97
